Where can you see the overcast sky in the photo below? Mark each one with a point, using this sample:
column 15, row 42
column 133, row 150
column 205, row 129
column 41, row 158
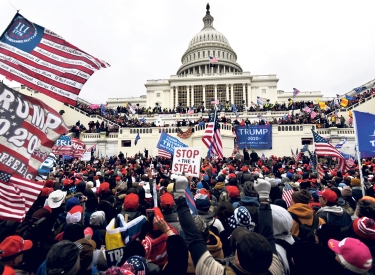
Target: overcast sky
column 323, row 46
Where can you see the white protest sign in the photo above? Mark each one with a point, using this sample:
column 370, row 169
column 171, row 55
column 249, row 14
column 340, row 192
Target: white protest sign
column 186, row 160
column 86, row 156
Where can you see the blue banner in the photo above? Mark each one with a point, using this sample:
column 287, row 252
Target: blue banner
column 365, row 132
column 254, row 136
column 168, row 143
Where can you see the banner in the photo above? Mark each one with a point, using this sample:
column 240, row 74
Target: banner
column 254, row 136
column 86, row 156
column 28, row 130
column 94, row 106
column 76, row 148
column 46, row 167
column 186, row 160
column 168, row 143
column 365, row 132
column 113, row 256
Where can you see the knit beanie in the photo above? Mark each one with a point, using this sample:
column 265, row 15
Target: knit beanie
column 346, row 191
column 302, row 196
column 364, row 228
column 282, row 223
column 355, row 182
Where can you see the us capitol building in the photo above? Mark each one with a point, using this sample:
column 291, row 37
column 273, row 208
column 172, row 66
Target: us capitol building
column 196, row 83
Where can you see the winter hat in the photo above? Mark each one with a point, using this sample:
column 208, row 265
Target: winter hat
column 87, row 252
column 249, row 189
column 220, row 179
column 302, row 196
column 131, row 201
column 49, row 183
column 46, row 191
column 74, row 215
column 364, row 228
column 232, row 181
column 202, row 202
column 97, row 218
column 241, row 218
column 62, row 258
column 282, row 223
column 355, row 182
column 136, row 265
column 233, row 191
column 353, row 254
column 346, row 191
column 70, row 203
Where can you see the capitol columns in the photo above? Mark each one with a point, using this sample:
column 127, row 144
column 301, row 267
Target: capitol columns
column 204, row 95
column 176, row 103
column 187, row 96
column 215, row 92
column 244, row 92
column 227, row 93
column 192, row 96
column 231, row 94
column 171, row 98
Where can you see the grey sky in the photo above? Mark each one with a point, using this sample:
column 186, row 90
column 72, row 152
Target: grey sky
column 311, row 45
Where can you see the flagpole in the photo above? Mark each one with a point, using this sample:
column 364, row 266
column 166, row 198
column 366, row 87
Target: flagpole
column 358, row 153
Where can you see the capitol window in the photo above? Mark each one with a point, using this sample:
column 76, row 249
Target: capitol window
column 157, row 94
column 213, row 53
column 203, row 53
column 218, row 53
column 199, row 55
column 208, row 53
column 227, row 55
column 264, row 91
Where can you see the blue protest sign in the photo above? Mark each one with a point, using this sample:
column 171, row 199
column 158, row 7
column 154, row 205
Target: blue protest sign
column 365, row 132
column 168, row 143
column 254, row 136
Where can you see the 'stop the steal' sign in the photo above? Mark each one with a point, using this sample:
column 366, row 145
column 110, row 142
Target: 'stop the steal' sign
column 168, row 143
column 186, row 160
column 254, row 136
column 28, row 130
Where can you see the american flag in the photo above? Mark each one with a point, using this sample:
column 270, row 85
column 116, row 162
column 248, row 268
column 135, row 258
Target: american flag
column 76, row 149
column 131, row 108
column 339, row 145
column 263, row 156
column 29, row 128
column 320, row 172
column 252, row 103
column 212, row 135
column 164, row 154
column 350, row 162
column 291, row 151
column 297, row 157
column 44, row 61
column 91, row 148
column 213, row 101
column 259, row 100
column 295, row 92
column 17, row 195
column 191, row 111
column 313, row 114
column 213, row 60
column 324, row 148
column 287, row 194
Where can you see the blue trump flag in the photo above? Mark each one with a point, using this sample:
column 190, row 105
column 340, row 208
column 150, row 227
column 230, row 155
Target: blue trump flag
column 364, row 124
column 254, row 136
column 168, row 143
column 138, row 137
column 190, row 201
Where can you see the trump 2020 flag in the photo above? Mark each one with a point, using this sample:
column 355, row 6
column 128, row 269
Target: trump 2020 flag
column 364, row 124
column 28, row 130
column 44, row 61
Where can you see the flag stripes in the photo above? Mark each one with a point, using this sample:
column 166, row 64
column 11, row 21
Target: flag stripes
column 164, row 154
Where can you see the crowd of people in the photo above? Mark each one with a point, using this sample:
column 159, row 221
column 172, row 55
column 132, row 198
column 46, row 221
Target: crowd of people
column 251, row 215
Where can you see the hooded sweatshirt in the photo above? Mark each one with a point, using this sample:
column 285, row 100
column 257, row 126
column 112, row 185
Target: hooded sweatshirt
column 334, row 215
column 305, row 215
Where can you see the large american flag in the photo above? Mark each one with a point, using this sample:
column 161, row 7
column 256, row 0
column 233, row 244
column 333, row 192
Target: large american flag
column 44, row 61
column 212, row 135
column 287, row 194
column 324, row 148
column 164, row 154
column 29, row 128
column 17, row 195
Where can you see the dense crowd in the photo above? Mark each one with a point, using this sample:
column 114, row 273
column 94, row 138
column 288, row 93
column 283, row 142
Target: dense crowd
column 255, row 215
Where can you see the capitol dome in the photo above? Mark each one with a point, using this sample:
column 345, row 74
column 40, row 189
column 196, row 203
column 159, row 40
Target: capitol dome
column 208, row 42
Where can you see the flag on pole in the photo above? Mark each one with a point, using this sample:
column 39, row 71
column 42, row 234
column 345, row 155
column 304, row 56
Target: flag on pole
column 263, row 156
column 213, row 101
column 213, row 59
column 143, row 120
column 213, row 135
column 359, row 89
column 44, row 61
column 102, row 109
column 348, row 97
column 322, row 105
column 324, row 148
column 307, row 109
column 234, row 109
column 320, row 172
column 339, row 145
column 313, row 114
column 344, row 102
column 350, row 162
column 190, row 201
column 138, row 137
column 291, row 150
column 287, row 194
column 209, row 152
column 295, row 92
column 131, row 108
column 259, row 100
column 17, row 195
column 201, row 124
column 312, row 158
column 304, row 148
column 164, row 154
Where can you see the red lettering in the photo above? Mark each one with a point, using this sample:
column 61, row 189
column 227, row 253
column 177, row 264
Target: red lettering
column 196, row 153
column 175, row 169
column 178, row 153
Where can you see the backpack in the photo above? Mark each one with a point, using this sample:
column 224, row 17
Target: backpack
column 306, row 232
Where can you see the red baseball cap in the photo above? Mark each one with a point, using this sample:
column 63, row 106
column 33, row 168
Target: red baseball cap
column 233, row 191
column 46, row 191
column 166, row 200
column 329, row 195
column 14, row 246
column 131, row 201
column 353, row 254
